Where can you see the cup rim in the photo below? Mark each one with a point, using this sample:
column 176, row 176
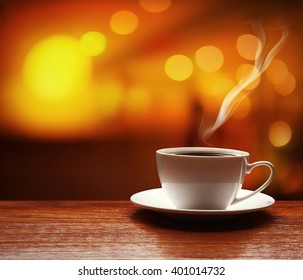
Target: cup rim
column 173, row 150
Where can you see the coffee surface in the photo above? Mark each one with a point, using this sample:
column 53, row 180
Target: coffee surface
column 204, row 154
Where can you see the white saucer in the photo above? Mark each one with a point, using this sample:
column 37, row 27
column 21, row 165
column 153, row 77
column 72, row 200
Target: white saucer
column 157, row 200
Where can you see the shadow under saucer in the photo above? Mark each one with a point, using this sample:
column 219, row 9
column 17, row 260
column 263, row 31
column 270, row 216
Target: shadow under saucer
column 226, row 223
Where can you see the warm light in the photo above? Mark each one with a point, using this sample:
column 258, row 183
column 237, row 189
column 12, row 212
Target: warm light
column 138, row 100
column 287, row 86
column 34, row 117
column 179, row 67
column 56, row 68
column 243, row 109
column 247, row 46
column 280, row 133
column 206, row 83
column 93, row 43
column 155, row 6
column 109, row 97
column 221, row 88
column 277, row 72
column 209, row 58
column 243, row 71
column 123, row 22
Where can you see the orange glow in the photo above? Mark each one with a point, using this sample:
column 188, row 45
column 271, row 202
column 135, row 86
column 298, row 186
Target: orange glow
column 155, row 6
column 287, row 86
column 247, row 46
column 209, row 58
column 36, row 117
column 138, row 100
column 245, row 70
column 108, row 97
column 243, row 110
column 277, row 72
column 206, row 83
column 55, row 69
column 51, row 99
column 221, row 88
column 280, row 133
column 179, row 67
column 93, row 43
column 116, row 77
column 123, row 22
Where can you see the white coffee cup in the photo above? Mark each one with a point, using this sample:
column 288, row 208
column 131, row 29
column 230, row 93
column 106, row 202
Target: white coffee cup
column 206, row 178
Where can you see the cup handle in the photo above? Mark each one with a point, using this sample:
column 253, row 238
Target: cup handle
column 249, row 168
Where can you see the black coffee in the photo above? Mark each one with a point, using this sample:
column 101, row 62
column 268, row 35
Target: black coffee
column 204, row 154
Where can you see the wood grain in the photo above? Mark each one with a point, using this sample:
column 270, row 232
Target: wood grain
column 120, row 230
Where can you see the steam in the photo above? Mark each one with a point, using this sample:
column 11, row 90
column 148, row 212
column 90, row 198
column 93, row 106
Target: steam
column 238, row 93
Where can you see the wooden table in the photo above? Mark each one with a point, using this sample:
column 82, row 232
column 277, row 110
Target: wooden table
column 120, row 230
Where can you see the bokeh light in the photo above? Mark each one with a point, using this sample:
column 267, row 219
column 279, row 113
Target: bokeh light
column 277, row 71
column 280, row 133
column 287, row 86
column 155, row 6
column 243, row 109
column 179, row 67
column 55, row 68
column 33, row 116
column 93, row 43
column 124, row 22
column 221, row 88
column 249, row 46
column 138, row 100
column 109, row 97
column 206, row 82
column 243, row 71
column 209, row 58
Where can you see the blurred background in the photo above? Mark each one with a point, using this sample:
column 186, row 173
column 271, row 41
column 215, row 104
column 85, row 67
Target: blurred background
column 89, row 90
